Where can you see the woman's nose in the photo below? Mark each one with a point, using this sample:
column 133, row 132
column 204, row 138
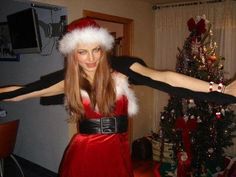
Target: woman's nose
column 90, row 56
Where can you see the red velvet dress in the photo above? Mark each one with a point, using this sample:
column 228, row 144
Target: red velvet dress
column 99, row 155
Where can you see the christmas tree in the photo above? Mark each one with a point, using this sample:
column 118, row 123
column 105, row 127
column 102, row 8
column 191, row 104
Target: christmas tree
column 199, row 130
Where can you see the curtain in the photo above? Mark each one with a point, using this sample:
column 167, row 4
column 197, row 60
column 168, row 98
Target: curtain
column 171, row 31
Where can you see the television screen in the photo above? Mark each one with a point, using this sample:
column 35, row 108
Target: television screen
column 24, row 31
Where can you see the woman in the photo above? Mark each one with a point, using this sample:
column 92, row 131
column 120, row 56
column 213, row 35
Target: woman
column 100, row 99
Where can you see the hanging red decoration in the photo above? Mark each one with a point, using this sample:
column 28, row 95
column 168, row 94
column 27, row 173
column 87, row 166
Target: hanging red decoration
column 186, row 127
column 199, row 27
column 185, row 158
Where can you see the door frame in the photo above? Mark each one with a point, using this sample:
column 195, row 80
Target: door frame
column 127, row 27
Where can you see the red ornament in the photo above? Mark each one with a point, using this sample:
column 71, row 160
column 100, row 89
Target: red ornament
column 218, row 115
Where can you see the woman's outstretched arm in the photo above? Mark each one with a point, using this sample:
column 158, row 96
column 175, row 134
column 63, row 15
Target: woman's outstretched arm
column 48, row 85
column 9, row 88
column 231, row 88
column 180, row 80
column 53, row 90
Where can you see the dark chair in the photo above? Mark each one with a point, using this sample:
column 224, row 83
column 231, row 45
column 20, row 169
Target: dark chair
column 8, row 134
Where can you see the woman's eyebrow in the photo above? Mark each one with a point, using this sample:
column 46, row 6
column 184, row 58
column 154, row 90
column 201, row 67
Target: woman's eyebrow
column 91, row 49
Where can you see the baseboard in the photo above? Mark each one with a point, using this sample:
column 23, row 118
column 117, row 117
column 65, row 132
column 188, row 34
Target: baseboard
column 41, row 171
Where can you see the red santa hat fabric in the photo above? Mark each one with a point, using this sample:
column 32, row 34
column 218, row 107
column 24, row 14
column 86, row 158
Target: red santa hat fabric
column 85, row 31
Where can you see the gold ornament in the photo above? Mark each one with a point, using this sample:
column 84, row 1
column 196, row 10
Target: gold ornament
column 212, row 57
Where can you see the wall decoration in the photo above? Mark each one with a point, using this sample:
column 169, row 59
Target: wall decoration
column 6, row 52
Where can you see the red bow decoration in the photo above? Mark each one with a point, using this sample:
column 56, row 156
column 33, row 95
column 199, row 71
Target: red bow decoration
column 186, row 127
column 199, row 27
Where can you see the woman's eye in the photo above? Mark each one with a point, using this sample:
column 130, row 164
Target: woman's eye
column 82, row 52
column 97, row 49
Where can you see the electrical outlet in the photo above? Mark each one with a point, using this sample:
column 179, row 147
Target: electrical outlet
column 3, row 113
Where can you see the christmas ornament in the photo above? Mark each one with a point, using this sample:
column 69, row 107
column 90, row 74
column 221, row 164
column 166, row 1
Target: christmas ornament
column 210, row 150
column 218, row 115
column 191, row 103
column 199, row 119
column 212, row 58
column 223, row 111
column 195, row 46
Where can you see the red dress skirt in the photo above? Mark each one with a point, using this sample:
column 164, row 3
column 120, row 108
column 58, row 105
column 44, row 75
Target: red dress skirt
column 98, row 155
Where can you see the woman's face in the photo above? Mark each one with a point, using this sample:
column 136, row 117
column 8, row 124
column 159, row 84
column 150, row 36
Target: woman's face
column 88, row 56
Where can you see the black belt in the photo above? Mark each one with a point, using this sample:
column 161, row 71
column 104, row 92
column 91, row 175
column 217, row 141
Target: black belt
column 104, row 125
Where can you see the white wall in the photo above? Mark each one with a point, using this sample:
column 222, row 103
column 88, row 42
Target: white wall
column 43, row 130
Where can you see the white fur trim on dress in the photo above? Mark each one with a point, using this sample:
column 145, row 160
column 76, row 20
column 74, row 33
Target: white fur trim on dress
column 87, row 35
column 122, row 88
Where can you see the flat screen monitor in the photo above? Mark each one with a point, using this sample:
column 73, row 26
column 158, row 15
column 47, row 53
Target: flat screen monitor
column 24, row 31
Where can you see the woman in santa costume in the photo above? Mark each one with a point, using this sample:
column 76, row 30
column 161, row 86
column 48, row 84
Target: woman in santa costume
column 100, row 99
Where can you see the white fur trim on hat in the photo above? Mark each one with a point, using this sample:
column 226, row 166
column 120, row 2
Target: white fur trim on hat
column 88, row 35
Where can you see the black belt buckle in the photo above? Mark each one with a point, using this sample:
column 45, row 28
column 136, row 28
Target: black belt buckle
column 108, row 125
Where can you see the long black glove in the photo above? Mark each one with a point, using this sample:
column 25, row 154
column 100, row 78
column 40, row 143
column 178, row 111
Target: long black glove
column 44, row 82
column 122, row 64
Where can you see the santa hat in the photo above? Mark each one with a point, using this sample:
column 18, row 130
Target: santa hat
column 85, row 31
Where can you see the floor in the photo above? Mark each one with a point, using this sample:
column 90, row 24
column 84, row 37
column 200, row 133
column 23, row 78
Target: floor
column 29, row 169
column 141, row 169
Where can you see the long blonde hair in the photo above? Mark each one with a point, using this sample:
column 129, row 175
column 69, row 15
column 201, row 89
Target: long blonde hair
column 101, row 91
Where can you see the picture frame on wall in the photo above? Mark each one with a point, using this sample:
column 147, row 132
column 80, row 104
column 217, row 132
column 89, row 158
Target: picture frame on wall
column 6, row 52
